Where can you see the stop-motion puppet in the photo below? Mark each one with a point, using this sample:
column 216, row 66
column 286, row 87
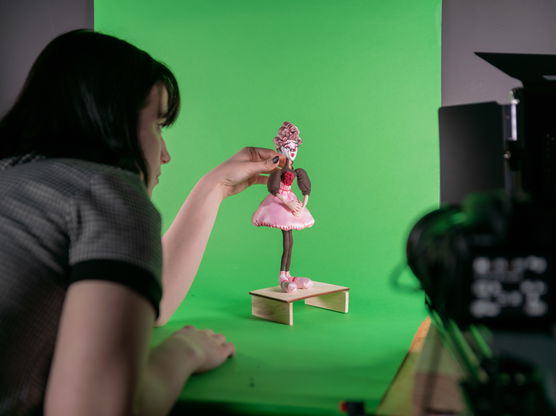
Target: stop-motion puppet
column 281, row 209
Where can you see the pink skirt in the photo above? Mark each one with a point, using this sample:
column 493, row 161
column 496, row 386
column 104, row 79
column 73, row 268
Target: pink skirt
column 273, row 213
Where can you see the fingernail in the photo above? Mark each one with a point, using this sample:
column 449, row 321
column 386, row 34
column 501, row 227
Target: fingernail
column 275, row 159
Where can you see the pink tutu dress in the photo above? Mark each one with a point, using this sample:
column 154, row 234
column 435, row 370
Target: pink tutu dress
column 273, row 213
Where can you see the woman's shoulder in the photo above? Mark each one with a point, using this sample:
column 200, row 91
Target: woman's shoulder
column 65, row 175
column 69, row 168
column 30, row 161
column 89, row 167
column 99, row 180
column 94, row 170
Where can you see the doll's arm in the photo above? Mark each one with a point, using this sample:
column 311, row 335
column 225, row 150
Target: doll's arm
column 273, row 183
column 294, row 206
column 305, row 200
column 303, row 181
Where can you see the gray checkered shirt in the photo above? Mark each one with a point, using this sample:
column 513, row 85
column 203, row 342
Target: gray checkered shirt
column 64, row 220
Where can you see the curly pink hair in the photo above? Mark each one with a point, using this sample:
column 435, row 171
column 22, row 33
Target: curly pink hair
column 287, row 132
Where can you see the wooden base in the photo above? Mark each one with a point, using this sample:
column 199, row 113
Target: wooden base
column 273, row 310
column 275, row 305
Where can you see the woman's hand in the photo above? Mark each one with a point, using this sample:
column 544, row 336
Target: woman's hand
column 204, row 348
column 244, row 169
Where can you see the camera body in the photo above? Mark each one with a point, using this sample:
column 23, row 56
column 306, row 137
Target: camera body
column 486, row 259
column 488, row 256
column 490, row 261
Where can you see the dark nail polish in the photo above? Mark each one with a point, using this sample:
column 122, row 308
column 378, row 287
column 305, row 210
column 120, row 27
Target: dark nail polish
column 275, row 159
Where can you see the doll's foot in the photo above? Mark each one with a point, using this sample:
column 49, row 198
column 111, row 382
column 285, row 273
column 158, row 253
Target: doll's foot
column 288, row 287
column 302, row 282
column 284, row 277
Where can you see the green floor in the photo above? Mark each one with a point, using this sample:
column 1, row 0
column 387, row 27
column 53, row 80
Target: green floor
column 309, row 368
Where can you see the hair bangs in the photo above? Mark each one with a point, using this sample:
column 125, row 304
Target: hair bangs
column 171, row 84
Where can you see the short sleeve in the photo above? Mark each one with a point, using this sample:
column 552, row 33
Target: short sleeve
column 115, row 234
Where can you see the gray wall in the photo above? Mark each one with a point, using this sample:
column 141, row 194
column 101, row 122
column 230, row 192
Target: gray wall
column 519, row 26
column 26, row 26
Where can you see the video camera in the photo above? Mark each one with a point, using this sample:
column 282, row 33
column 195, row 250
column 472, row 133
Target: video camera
column 489, row 262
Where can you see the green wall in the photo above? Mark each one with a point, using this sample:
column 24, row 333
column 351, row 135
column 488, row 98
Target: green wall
column 361, row 79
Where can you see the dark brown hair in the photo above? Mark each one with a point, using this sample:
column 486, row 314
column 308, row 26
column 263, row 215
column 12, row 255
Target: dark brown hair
column 82, row 100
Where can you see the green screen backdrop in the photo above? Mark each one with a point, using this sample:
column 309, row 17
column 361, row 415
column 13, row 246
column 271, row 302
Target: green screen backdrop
column 361, row 79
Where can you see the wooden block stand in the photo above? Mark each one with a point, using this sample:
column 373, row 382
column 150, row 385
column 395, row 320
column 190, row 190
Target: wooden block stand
column 274, row 305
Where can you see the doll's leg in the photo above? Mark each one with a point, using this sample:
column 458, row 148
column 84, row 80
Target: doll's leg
column 300, row 282
column 287, row 241
column 288, row 247
column 286, row 283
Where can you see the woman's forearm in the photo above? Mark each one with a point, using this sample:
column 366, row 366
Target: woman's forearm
column 184, row 243
column 165, row 373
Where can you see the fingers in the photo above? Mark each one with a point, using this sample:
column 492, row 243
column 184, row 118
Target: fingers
column 209, row 333
column 295, row 205
column 255, row 154
column 297, row 208
column 244, row 169
column 230, row 350
column 227, row 348
column 261, row 180
column 254, row 169
column 205, row 348
column 260, row 154
column 267, row 165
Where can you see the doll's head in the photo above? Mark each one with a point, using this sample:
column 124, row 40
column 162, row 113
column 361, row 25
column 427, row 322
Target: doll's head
column 287, row 140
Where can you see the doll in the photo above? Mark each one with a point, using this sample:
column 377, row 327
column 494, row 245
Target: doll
column 281, row 208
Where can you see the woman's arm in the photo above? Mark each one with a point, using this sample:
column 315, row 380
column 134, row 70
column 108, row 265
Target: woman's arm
column 184, row 243
column 102, row 352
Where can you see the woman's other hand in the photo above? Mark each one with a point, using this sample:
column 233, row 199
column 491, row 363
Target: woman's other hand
column 205, row 349
column 244, row 169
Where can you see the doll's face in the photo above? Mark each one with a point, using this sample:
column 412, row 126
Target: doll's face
column 289, row 149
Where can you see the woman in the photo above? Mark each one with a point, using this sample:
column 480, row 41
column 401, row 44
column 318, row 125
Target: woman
column 80, row 270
